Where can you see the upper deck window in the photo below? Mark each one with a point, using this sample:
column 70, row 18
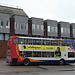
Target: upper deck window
column 46, row 42
column 69, row 43
column 21, row 41
column 15, row 41
column 62, row 43
column 54, row 43
column 28, row 41
column 37, row 42
column 9, row 40
column 41, row 42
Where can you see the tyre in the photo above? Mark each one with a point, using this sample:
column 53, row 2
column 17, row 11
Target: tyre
column 62, row 62
column 26, row 62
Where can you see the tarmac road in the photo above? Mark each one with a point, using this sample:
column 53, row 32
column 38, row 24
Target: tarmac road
column 5, row 69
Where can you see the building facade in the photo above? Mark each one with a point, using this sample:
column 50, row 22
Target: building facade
column 15, row 22
column 64, row 30
column 72, row 26
column 37, row 27
column 51, row 29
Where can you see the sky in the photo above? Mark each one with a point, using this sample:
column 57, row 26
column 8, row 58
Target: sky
column 59, row 10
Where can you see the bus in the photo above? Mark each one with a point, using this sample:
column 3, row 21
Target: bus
column 32, row 50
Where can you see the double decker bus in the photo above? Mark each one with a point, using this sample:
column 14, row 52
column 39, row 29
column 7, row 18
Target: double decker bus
column 31, row 50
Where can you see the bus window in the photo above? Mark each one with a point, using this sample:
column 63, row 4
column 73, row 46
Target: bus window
column 25, row 53
column 21, row 41
column 52, row 54
column 26, row 41
column 70, row 54
column 20, row 53
column 15, row 41
column 36, row 42
column 69, row 43
column 62, row 43
column 28, row 54
column 29, row 41
column 43, row 42
column 36, row 54
column 45, row 54
column 48, row 42
column 54, row 43
column 9, row 40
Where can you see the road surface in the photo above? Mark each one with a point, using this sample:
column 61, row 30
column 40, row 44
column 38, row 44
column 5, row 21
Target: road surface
column 5, row 69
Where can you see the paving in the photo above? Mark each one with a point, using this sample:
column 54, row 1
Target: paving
column 5, row 69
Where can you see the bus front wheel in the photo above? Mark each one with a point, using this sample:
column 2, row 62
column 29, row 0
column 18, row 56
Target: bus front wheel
column 62, row 62
column 26, row 62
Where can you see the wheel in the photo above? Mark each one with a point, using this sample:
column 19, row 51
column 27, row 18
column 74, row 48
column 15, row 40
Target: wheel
column 62, row 62
column 26, row 62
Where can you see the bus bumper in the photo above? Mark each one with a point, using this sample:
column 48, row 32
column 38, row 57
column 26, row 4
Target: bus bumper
column 15, row 63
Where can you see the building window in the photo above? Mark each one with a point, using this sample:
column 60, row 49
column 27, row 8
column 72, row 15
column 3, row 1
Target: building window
column 1, row 36
column 2, row 24
column 33, row 26
column 42, row 27
column 65, row 30
column 48, row 28
column 52, row 29
column 68, row 30
column 73, row 31
column 21, row 26
column 61, row 29
column 16, row 25
column 56, row 29
column 7, row 24
column 38, row 27
column 6, row 36
column 26, row 27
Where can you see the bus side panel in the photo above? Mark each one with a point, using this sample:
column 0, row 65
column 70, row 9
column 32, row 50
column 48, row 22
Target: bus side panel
column 14, row 55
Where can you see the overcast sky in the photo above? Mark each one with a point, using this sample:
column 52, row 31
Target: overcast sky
column 60, row 10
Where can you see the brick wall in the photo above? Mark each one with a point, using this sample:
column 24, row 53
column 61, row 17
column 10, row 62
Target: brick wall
column 11, row 26
column 71, row 36
column 3, row 49
column 59, row 31
column 45, row 30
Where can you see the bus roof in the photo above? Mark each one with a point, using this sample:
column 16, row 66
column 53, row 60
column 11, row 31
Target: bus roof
column 41, row 38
